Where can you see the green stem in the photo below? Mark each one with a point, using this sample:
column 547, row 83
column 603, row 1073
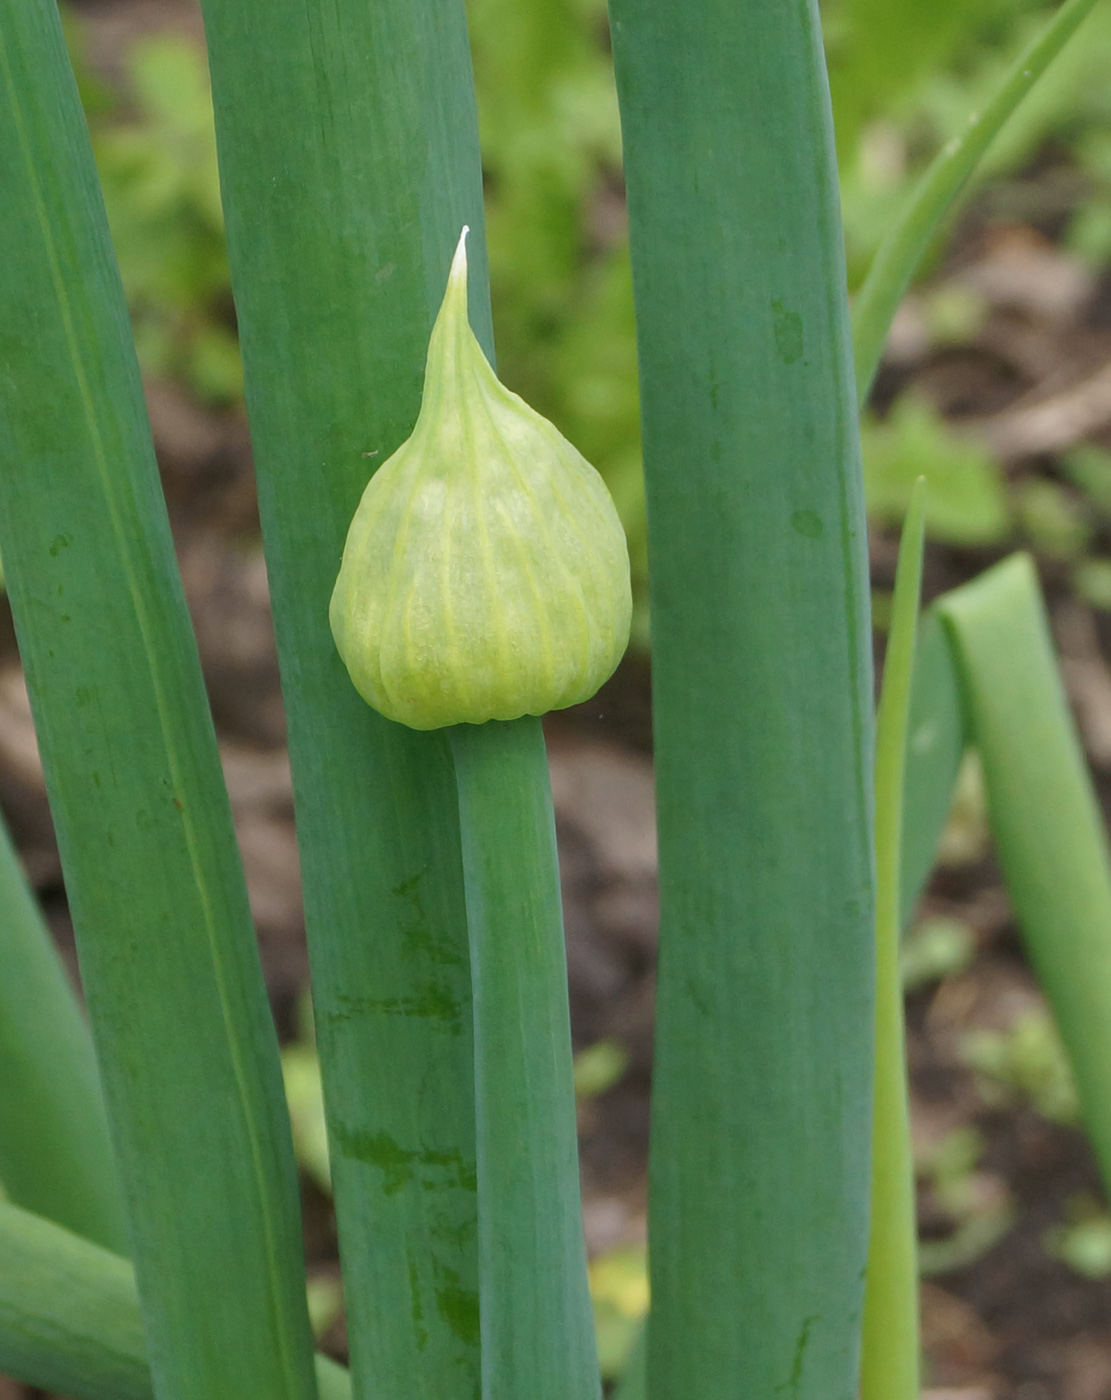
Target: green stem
column 900, row 253
column 889, row 1360
column 537, row 1324
column 55, row 1155
column 70, row 1321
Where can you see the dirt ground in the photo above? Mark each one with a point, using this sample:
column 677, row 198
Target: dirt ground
column 1017, row 1302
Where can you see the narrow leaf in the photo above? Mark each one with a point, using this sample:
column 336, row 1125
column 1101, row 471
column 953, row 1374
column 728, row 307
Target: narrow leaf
column 762, row 702
column 909, row 237
column 889, row 1361
column 935, row 745
column 167, row 949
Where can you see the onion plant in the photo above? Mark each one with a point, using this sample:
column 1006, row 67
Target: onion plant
column 150, row 1242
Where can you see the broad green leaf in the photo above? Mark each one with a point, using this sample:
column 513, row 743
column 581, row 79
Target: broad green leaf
column 349, row 162
column 169, row 962
column 762, row 702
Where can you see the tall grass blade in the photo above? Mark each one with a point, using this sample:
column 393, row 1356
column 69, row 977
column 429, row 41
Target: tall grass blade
column 762, row 696
column 909, row 238
column 936, row 742
column 349, row 162
column 55, row 1156
column 168, row 956
column 537, row 1323
column 70, row 1320
column 1044, row 815
column 889, row 1359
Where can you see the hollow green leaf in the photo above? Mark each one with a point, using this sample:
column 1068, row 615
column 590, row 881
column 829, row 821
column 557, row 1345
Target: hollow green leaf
column 1045, row 818
column 349, row 162
column 762, row 702
column 170, row 967
column 70, row 1320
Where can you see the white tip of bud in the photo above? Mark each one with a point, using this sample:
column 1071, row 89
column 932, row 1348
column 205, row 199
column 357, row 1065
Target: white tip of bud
column 459, row 261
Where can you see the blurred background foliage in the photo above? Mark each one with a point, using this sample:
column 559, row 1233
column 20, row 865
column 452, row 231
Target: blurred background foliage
column 904, row 78
column 156, row 152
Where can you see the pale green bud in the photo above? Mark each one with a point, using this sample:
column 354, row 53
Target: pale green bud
column 485, row 574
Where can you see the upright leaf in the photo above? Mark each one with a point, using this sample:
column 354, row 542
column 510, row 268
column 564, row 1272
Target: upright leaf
column 936, row 741
column 762, row 695
column 889, row 1364
column 349, row 162
column 167, row 948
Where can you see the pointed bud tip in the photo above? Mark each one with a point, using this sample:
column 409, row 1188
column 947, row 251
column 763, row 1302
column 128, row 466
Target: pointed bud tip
column 459, row 261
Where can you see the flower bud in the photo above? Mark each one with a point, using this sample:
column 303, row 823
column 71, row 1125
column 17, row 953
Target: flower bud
column 485, row 574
